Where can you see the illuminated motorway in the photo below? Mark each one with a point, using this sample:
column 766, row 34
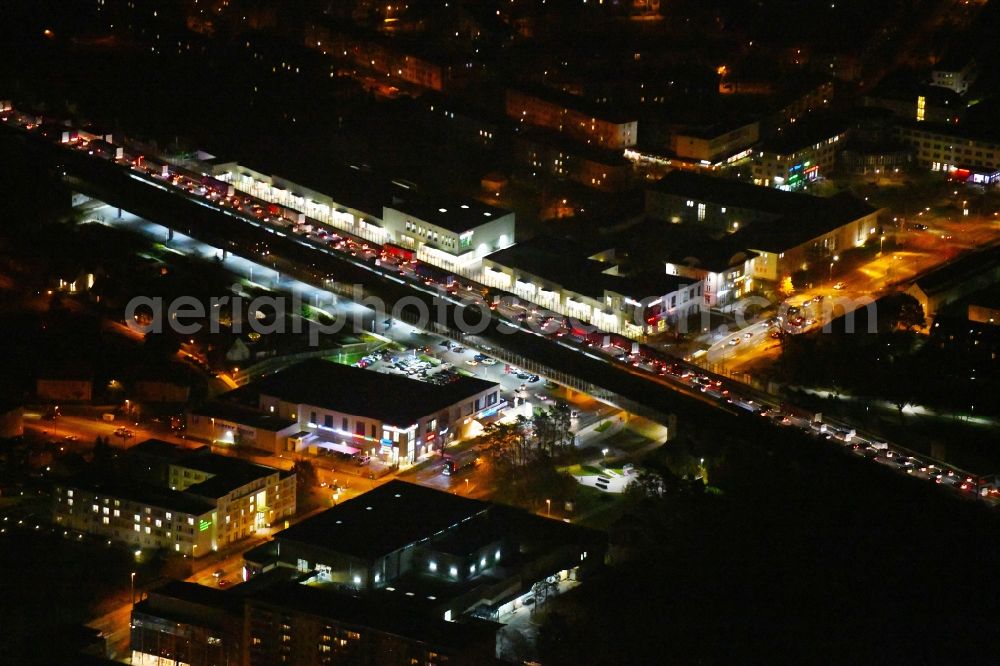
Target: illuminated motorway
column 532, row 331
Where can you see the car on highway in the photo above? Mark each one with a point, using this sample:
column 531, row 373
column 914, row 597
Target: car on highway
column 734, row 341
column 472, row 362
column 489, row 361
column 839, row 285
column 224, row 582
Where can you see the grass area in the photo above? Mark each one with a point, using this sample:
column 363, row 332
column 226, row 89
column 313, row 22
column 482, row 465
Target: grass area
column 596, row 509
column 347, row 359
column 625, row 440
column 430, row 359
column 602, row 426
column 582, row 470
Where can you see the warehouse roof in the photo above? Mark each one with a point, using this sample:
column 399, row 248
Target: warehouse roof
column 370, row 525
column 392, row 399
column 458, row 217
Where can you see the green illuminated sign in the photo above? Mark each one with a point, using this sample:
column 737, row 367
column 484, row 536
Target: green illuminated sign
column 204, row 525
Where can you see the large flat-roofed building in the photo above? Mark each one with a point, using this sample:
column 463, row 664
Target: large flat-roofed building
column 248, row 497
column 956, row 72
column 276, row 621
column 448, row 234
column 716, row 143
column 787, row 231
column 449, row 556
column 306, row 626
column 966, row 155
column 724, row 269
column 921, row 103
column 576, row 117
column 187, row 623
column 801, row 155
column 955, row 280
column 187, row 501
column 347, row 409
column 106, row 505
column 230, row 423
column 547, row 153
column 586, row 284
column 347, row 198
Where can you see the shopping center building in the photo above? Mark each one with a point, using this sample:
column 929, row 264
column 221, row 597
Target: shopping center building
column 339, row 408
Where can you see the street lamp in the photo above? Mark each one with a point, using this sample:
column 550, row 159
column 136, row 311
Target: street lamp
column 132, row 576
column 548, row 508
column 836, row 258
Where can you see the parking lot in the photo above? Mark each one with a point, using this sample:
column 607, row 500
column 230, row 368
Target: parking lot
column 441, row 361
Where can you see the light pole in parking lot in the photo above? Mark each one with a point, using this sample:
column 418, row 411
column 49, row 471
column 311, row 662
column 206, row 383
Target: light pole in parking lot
column 132, row 585
column 548, row 508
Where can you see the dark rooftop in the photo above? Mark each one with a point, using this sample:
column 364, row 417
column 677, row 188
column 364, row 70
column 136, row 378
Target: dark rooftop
column 193, row 593
column 959, row 131
column 112, row 484
column 399, row 620
column 383, row 520
column 565, row 262
column 604, row 112
column 546, row 137
column 353, row 186
column 797, row 228
column 392, row 399
column 231, row 411
column 157, row 448
column 228, row 473
column 804, row 135
column 969, row 268
column 736, row 193
column 455, row 216
column 657, row 241
column 797, row 217
column 558, row 260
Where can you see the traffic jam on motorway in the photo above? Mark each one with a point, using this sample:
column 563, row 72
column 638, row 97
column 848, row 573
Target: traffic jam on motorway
column 399, row 264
